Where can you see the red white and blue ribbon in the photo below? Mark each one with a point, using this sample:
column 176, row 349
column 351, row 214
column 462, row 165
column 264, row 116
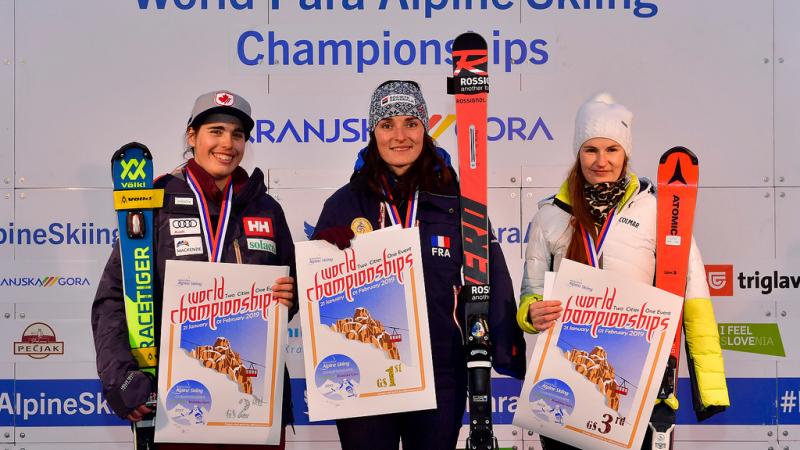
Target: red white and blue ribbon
column 594, row 251
column 213, row 243
column 394, row 214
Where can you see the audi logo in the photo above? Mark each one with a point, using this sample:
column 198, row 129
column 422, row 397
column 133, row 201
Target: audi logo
column 184, row 223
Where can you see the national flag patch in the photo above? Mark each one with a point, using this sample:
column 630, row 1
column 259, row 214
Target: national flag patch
column 258, row 226
column 440, row 241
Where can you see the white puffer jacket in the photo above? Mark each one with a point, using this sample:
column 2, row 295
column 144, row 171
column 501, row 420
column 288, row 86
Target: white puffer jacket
column 630, row 248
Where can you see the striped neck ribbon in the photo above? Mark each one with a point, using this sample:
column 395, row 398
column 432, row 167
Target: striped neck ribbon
column 213, row 243
column 594, row 251
column 394, row 214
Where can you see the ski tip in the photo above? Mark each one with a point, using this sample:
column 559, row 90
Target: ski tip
column 119, row 154
column 469, row 40
column 678, row 149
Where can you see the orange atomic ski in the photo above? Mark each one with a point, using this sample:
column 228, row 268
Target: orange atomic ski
column 678, row 172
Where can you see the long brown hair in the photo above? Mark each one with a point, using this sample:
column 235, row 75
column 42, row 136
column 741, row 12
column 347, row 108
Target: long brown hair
column 428, row 173
column 581, row 216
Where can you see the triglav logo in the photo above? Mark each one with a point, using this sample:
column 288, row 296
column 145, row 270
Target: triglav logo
column 38, row 341
column 720, row 279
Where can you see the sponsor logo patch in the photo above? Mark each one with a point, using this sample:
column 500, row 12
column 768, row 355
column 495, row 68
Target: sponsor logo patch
column 224, row 98
column 186, row 201
column 188, row 245
column 264, row 245
column 183, row 226
column 720, row 279
column 360, row 225
column 440, row 246
column 39, row 341
column 398, row 98
column 258, row 226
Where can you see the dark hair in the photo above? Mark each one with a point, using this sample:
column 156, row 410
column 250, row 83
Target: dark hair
column 188, row 152
column 580, row 211
column 428, row 173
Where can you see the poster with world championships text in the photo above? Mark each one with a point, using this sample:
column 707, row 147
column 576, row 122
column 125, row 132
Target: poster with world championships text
column 594, row 375
column 220, row 377
column 365, row 326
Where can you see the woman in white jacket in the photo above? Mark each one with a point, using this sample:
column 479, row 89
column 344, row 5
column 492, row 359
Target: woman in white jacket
column 599, row 183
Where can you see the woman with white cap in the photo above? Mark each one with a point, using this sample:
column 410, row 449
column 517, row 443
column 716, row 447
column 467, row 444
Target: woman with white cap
column 598, row 183
column 401, row 177
column 211, row 184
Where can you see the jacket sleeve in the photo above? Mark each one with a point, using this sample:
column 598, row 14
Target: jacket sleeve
column 124, row 386
column 538, row 260
column 508, row 343
column 704, row 353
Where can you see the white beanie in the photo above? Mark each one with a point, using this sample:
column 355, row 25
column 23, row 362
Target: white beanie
column 600, row 116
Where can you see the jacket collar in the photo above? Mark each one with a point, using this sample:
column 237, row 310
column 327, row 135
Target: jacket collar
column 634, row 186
column 209, row 187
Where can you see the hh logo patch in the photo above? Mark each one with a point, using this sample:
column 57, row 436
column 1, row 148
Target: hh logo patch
column 720, row 280
column 264, row 245
column 188, row 245
column 183, row 226
column 440, row 246
column 258, row 226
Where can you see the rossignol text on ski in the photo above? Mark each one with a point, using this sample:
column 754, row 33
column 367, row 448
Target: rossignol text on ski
column 470, row 86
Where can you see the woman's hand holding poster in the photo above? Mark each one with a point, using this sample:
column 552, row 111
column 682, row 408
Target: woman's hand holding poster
column 593, row 377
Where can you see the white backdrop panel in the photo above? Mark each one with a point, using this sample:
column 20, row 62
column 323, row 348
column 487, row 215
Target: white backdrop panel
column 134, row 79
column 788, row 313
column 735, row 224
column 6, row 217
column 64, row 224
column 685, row 84
column 7, row 61
column 787, row 72
column 787, row 221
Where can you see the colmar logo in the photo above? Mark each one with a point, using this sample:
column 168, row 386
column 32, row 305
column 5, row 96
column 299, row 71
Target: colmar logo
column 38, row 341
column 224, row 99
column 258, row 226
column 720, row 279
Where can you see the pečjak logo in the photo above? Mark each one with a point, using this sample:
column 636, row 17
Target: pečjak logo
column 39, row 341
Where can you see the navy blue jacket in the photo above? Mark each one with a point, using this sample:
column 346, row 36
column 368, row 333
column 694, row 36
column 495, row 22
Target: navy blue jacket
column 124, row 386
column 438, row 214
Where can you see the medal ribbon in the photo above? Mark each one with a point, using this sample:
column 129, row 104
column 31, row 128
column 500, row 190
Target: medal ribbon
column 595, row 251
column 394, row 213
column 213, row 244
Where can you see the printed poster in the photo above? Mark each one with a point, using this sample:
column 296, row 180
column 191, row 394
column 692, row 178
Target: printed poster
column 593, row 377
column 365, row 326
column 220, row 377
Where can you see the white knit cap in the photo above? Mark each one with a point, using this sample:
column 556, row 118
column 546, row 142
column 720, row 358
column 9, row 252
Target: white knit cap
column 600, row 116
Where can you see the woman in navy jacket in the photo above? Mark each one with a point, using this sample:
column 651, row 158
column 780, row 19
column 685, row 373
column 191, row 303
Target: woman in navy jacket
column 401, row 177
column 216, row 135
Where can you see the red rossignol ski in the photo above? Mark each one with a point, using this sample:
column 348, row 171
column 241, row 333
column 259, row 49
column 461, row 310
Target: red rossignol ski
column 470, row 85
column 678, row 172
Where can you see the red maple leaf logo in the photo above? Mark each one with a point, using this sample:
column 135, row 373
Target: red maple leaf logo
column 223, row 98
